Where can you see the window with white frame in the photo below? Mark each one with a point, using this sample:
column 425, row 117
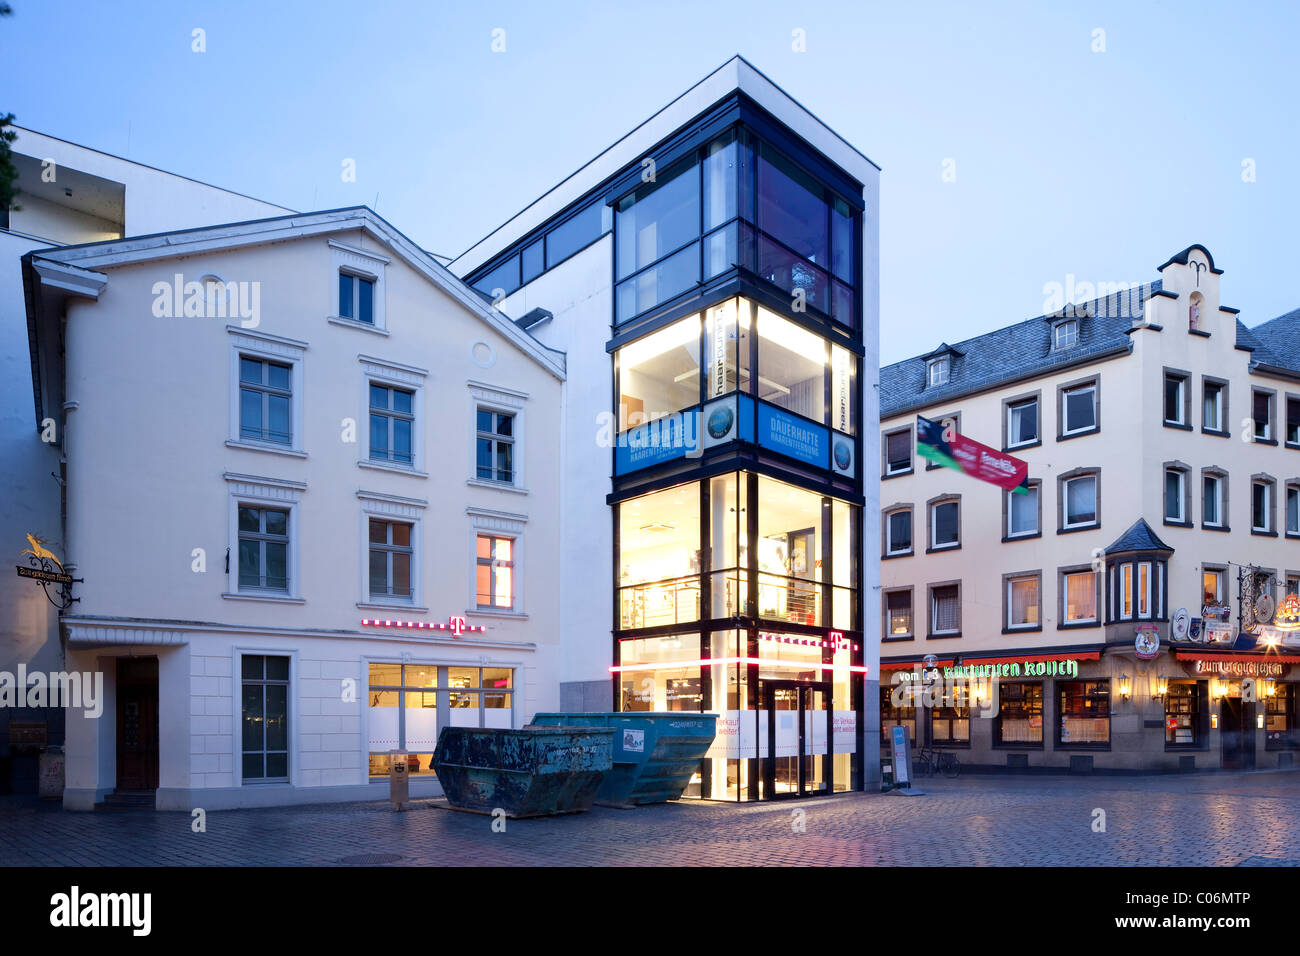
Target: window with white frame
column 1176, row 399
column 1023, row 512
column 1022, row 602
column 497, row 436
column 1212, row 589
column 1079, row 501
column 1078, row 409
column 391, row 561
column 265, row 392
column 1213, row 397
column 898, row 532
column 264, row 713
column 1065, row 334
column 937, row 370
column 496, row 562
column 262, row 560
column 898, row 613
column 945, row 609
column 1293, row 420
column 898, row 452
column 495, row 572
column 1212, row 500
column 1079, row 597
column 1022, row 423
column 1261, row 506
column 1293, row 509
column 945, row 524
column 1176, row 495
column 1262, row 414
column 392, row 424
column 360, row 275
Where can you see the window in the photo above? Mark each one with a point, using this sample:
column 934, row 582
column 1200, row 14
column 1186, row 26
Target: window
column 945, row 525
column 1262, row 412
column 937, row 371
column 898, row 532
column 898, row 452
column 1176, row 393
column 1079, row 597
column 1085, row 712
column 902, row 714
column 533, row 260
column 1023, row 511
column 1213, row 487
column 1078, row 410
column 391, row 551
column 264, row 717
column 945, row 610
column 1175, row 496
column 1020, row 713
column 659, row 555
column 660, row 373
column 494, row 446
column 1126, row 591
column 1292, row 420
column 1261, row 506
column 402, row 714
column 265, row 397
column 1022, row 423
column 1280, row 727
column 1065, row 334
column 1182, row 714
column 1214, row 413
column 791, row 366
column 263, row 549
column 898, row 614
column 357, row 298
column 1212, row 586
column 392, row 423
column 950, row 721
column 1022, row 602
column 1079, row 502
column 576, row 234
column 1293, row 510
column 657, row 218
column 495, row 572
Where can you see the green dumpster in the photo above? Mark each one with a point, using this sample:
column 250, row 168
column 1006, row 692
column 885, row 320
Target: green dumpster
column 655, row 754
column 535, row 771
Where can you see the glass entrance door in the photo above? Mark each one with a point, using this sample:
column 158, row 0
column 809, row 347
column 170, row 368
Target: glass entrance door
column 798, row 734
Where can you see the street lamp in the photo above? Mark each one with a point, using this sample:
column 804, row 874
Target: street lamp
column 1159, row 686
column 1124, row 686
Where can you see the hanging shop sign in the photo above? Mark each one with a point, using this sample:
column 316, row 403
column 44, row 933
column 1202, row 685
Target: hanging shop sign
column 1147, row 642
column 940, row 443
column 41, row 567
column 457, row 625
column 793, row 436
column 1231, row 668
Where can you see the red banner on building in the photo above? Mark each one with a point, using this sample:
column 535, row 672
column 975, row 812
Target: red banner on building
column 944, row 446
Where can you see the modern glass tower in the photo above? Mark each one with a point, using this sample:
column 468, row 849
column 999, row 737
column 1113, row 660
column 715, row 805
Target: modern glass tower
column 712, row 279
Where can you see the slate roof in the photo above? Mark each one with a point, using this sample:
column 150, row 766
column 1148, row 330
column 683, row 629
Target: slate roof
column 1015, row 352
column 1139, row 537
column 1277, row 342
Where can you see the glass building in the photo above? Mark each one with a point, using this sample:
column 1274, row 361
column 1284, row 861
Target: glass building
column 734, row 447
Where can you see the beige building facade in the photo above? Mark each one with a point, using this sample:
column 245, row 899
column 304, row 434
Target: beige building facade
column 1134, row 609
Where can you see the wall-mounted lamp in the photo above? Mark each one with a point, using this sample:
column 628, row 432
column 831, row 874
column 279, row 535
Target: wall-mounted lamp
column 1159, row 686
column 1218, row 688
column 1125, row 685
column 1270, row 687
column 1214, row 721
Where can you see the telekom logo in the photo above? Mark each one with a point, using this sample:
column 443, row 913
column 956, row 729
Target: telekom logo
column 457, row 625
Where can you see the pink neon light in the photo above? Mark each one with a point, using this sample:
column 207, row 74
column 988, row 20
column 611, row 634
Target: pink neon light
column 457, row 625
column 667, row 665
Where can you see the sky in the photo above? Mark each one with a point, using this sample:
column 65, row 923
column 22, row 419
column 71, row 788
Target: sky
column 1022, row 144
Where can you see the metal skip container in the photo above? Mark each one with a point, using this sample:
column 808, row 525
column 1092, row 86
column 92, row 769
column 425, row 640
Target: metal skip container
column 535, row 771
column 655, row 754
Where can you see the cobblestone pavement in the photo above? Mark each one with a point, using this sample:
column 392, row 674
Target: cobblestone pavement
column 1215, row 820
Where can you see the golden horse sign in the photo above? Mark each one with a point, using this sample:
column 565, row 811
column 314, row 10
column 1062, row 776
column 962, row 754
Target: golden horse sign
column 41, row 564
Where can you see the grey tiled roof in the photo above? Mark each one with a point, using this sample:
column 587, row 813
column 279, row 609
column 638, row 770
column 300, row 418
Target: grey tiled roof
column 1015, row 352
column 1277, row 342
column 1139, row 537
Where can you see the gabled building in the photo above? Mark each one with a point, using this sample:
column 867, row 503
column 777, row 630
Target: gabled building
column 1140, row 587
column 312, row 500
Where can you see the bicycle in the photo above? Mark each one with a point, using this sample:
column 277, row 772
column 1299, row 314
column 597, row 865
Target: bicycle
column 930, row 761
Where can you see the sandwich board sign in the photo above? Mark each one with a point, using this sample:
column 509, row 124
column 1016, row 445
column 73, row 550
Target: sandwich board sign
column 902, row 754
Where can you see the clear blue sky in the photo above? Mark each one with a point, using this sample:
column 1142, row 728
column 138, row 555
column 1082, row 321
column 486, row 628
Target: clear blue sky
column 1067, row 161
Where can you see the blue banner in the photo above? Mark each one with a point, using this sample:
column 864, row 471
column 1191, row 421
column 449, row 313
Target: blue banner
column 793, row 436
column 664, row 439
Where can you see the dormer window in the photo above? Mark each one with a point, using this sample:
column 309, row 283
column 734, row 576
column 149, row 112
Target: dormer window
column 1065, row 334
column 938, row 371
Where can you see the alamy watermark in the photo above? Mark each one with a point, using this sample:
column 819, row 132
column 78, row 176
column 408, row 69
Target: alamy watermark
column 77, row 690
column 208, row 298
column 1121, row 300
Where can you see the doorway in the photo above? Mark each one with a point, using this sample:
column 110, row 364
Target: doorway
column 137, row 724
column 1237, row 734
column 798, row 736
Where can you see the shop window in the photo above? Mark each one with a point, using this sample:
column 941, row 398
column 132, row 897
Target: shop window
column 728, row 521
column 1020, row 714
column 902, row 714
column 1183, row 715
column 846, row 531
column 402, row 714
column 726, row 346
column 898, row 452
column 495, row 572
column 789, row 553
column 264, row 718
column 1022, row 602
column 1280, row 728
column 950, row 720
column 660, row 687
column 660, row 373
column 659, row 558
column 791, row 366
column 898, row 614
column 1084, row 707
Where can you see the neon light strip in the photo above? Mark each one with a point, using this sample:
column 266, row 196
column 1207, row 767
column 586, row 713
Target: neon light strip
column 839, row 644
column 667, row 665
column 421, row 625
